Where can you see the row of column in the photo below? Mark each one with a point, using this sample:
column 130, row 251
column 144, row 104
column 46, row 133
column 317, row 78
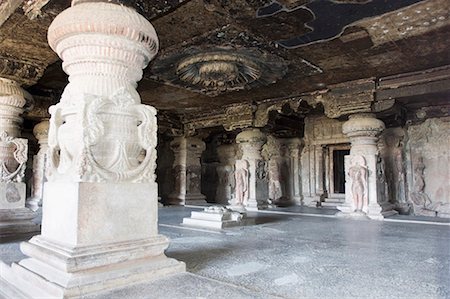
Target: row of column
column 249, row 181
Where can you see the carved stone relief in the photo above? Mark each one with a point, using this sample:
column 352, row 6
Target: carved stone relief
column 428, row 154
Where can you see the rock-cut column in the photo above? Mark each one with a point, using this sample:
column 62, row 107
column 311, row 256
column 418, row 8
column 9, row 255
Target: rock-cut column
column 40, row 131
column 99, row 226
column 251, row 189
column 187, row 171
column 225, row 173
column 361, row 188
column 15, row 219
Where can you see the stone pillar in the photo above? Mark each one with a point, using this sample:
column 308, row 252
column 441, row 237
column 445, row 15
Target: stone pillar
column 295, row 146
column 225, row 173
column 15, row 219
column 187, row 170
column 361, row 187
column 40, row 131
column 279, row 184
column 251, row 192
column 99, row 226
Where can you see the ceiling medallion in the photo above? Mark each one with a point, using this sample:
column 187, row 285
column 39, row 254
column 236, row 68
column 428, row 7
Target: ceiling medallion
column 219, row 71
column 216, row 71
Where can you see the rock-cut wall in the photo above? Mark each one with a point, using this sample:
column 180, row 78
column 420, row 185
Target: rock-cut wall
column 428, row 158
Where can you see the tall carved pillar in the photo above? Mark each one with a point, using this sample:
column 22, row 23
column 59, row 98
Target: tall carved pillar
column 15, row 219
column 99, row 227
column 187, row 170
column 40, row 131
column 251, row 192
column 277, row 171
column 295, row 146
column 361, row 187
column 225, row 173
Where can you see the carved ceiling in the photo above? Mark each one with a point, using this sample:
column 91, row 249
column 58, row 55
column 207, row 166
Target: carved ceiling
column 217, row 53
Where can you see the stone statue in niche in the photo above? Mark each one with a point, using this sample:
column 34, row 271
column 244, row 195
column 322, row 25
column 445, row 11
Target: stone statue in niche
column 261, row 172
column 275, row 191
column 241, row 177
column 358, row 174
column 193, row 179
column 226, row 183
column 421, row 201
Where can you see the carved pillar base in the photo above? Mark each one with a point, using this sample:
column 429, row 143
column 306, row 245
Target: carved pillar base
column 87, row 244
column 15, row 219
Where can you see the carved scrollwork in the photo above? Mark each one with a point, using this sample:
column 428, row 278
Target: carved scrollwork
column 13, row 167
column 113, row 134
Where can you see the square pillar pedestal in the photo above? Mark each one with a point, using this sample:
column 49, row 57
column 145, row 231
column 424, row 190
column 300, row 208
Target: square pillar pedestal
column 15, row 219
column 95, row 237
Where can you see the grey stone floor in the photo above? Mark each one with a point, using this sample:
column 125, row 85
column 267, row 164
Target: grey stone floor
column 292, row 256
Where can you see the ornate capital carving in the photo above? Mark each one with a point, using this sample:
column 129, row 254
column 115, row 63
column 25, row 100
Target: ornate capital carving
column 348, row 98
column 99, row 131
column 13, row 158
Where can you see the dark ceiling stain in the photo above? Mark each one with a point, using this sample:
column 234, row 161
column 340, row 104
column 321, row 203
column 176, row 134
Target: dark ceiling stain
column 330, row 18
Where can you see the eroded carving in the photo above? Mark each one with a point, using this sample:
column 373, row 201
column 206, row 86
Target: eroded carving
column 241, row 178
column 358, row 174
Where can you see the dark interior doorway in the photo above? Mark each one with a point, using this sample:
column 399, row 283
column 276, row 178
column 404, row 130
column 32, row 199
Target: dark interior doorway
column 338, row 170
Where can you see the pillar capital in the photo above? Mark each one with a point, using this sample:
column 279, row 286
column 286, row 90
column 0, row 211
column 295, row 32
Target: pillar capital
column 40, row 131
column 251, row 141
column 13, row 99
column 362, row 124
column 104, row 48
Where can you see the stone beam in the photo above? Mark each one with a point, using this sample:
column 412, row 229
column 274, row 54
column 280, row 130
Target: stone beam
column 430, row 81
column 348, row 98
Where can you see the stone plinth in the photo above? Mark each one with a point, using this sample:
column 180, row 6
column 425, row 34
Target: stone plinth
column 215, row 217
column 187, row 171
column 15, row 219
column 99, row 226
column 361, row 167
column 40, row 131
column 251, row 191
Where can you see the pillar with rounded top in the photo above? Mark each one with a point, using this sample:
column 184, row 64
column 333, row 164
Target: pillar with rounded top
column 99, row 226
column 187, row 170
column 40, row 131
column 15, row 219
column 251, row 190
column 361, row 188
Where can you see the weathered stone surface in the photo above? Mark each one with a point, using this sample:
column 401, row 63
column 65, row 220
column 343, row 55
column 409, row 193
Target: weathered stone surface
column 187, row 171
column 427, row 175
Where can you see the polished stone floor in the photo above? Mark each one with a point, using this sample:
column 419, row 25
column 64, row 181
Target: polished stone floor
column 296, row 253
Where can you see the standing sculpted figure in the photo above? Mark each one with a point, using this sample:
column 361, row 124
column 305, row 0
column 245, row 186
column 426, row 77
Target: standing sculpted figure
column 241, row 178
column 358, row 173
